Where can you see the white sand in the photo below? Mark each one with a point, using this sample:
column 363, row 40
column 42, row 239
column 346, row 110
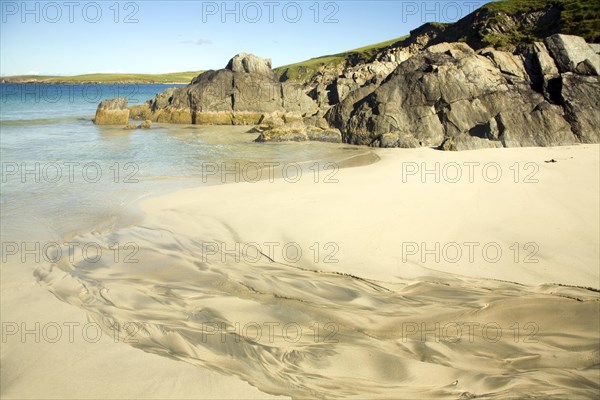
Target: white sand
column 378, row 224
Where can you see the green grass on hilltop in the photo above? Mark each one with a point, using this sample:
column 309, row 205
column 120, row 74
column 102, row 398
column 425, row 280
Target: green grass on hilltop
column 305, row 70
column 578, row 17
column 175, row 77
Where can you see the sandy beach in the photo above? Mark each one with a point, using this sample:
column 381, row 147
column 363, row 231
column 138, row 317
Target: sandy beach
column 425, row 275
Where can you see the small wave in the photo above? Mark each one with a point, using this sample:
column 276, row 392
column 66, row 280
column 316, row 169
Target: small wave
column 40, row 121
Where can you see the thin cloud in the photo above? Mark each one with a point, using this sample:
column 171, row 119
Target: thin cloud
column 199, row 42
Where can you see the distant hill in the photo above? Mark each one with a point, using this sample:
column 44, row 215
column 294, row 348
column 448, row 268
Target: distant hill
column 175, row 77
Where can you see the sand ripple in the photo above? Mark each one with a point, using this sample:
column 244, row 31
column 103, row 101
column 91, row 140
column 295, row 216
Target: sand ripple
column 303, row 333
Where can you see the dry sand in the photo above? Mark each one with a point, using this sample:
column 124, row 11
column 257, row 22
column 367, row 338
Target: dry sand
column 420, row 288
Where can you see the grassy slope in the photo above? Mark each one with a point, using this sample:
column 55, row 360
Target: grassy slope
column 303, row 71
column 578, row 17
column 176, row 77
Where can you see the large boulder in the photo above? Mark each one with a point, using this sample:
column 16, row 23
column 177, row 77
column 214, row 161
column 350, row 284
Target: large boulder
column 112, row 112
column 240, row 94
column 570, row 51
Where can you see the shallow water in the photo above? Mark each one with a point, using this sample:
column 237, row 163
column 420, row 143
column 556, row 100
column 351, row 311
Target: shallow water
column 60, row 172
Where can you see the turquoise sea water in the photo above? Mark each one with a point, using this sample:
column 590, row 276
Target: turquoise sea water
column 61, row 173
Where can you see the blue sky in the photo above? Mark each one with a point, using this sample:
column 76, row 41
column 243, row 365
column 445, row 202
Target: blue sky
column 67, row 37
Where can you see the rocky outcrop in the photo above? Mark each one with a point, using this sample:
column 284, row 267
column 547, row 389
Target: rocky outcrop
column 292, row 127
column 451, row 97
column 112, row 112
column 240, row 94
column 298, row 134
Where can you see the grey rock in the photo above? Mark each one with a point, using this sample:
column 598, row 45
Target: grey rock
column 543, row 126
column 251, row 64
column 394, row 139
column 451, row 92
column 581, row 100
column 295, row 99
column 586, row 68
column 454, row 50
column 541, row 68
column 569, row 51
column 339, row 115
column 546, row 64
column 507, row 63
column 465, row 142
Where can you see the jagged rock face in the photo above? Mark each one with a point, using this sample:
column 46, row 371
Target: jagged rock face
column 238, row 95
column 581, row 99
column 572, row 51
column 112, row 112
column 449, row 91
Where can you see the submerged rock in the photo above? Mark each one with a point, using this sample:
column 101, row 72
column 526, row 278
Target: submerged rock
column 147, row 124
column 283, row 135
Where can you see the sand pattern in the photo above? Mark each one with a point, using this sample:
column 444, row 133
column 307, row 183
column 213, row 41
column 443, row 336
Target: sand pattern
column 305, row 333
